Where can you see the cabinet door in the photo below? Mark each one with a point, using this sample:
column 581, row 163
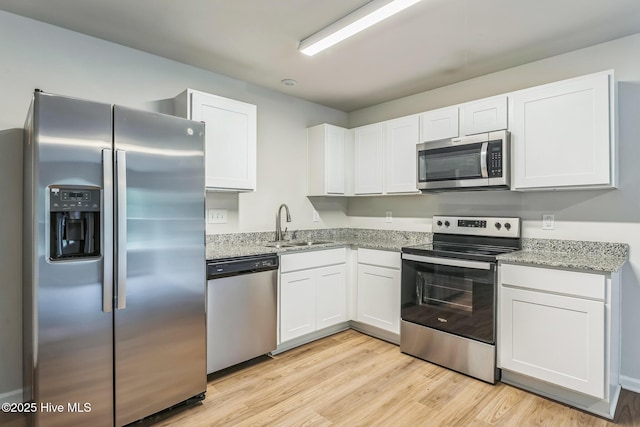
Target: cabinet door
column 401, row 138
column 297, row 304
column 334, row 159
column 553, row 338
column 485, row 115
column 325, row 160
column 379, row 297
column 368, row 159
column 331, row 295
column 560, row 134
column 439, row 124
column 230, row 141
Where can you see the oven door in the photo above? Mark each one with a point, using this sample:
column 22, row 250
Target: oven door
column 451, row 295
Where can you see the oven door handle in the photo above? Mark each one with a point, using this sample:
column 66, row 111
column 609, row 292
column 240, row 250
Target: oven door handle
column 478, row 265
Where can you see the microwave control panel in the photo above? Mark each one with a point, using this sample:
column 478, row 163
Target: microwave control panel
column 494, row 161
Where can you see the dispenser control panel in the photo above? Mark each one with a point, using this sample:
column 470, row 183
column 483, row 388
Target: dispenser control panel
column 67, row 199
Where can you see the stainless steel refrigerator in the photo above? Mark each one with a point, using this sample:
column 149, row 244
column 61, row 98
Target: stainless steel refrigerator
column 114, row 262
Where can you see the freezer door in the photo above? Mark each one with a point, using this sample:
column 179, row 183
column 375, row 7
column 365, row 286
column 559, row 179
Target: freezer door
column 159, row 320
column 68, row 345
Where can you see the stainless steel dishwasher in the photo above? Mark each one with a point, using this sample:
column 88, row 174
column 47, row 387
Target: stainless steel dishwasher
column 241, row 309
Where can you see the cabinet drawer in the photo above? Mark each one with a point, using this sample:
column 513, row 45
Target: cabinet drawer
column 379, row 258
column 575, row 283
column 312, row 259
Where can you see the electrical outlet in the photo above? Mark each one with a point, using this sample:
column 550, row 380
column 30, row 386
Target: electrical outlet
column 548, row 222
column 316, row 216
column 217, row 216
column 389, row 217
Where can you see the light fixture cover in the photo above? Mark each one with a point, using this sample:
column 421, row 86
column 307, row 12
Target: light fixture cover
column 358, row 20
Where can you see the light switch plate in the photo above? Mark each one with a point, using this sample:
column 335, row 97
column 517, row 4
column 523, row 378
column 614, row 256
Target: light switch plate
column 217, row 216
column 548, row 222
column 316, row 216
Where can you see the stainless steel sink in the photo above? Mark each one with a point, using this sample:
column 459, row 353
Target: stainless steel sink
column 295, row 243
column 278, row 245
column 308, row 243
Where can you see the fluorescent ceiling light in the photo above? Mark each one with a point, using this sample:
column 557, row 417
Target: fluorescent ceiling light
column 358, row 20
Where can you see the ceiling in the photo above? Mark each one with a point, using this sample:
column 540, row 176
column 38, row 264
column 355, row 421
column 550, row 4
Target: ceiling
column 432, row 44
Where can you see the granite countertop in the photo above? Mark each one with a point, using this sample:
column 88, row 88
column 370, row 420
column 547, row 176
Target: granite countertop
column 247, row 244
column 582, row 255
column 574, row 254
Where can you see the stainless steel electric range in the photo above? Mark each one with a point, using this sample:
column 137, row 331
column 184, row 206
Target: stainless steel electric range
column 449, row 290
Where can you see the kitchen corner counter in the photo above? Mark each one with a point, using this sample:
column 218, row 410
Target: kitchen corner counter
column 247, row 244
column 580, row 255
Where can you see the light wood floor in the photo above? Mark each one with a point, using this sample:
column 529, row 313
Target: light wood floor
column 351, row 379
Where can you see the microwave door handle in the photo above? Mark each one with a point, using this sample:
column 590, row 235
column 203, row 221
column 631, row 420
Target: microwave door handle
column 483, row 160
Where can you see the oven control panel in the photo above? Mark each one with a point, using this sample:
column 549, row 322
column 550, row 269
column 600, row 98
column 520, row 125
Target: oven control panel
column 477, row 226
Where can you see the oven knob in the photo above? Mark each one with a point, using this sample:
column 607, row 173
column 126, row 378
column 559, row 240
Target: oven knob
column 439, row 223
column 446, row 223
column 498, row 225
column 507, row 226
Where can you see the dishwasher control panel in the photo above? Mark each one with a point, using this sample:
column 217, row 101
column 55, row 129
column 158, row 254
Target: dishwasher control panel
column 242, row 265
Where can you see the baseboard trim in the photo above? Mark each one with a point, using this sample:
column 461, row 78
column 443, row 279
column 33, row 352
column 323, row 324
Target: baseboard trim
column 375, row 332
column 14, row 396
column 313, row 336
column 630, row 383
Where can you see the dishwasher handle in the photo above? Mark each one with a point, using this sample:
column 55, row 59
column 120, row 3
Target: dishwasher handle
column 239, row 266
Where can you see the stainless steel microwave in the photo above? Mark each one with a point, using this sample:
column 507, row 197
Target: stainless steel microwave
column 476, row 162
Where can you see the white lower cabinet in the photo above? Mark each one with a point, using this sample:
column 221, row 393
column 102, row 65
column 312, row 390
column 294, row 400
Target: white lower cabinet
column 313, row 292
column 554, row 338
column 297, row 304
column 379, row 289
column 558, row 334
column 331, row 296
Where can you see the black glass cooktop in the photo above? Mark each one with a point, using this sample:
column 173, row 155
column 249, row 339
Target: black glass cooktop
column 466, row 247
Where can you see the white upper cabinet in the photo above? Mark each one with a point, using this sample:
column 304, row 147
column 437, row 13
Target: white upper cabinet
column 562, row 134
column 400, row 138
column 326, row 160
column 484, row 115
column 439, row 124
column 385, row 156
column 369, row 164
column 230, row 139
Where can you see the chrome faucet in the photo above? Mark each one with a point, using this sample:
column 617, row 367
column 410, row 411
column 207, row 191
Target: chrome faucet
column 279, row 232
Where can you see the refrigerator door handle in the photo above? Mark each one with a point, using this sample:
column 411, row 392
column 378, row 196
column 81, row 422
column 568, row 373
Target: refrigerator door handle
column 107, row 230
column 121, row 230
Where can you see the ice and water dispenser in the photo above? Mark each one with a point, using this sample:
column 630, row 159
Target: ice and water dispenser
column 75, row 222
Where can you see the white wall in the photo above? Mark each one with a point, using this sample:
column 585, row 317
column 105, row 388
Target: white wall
column 612, row 215
column 35, row 55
